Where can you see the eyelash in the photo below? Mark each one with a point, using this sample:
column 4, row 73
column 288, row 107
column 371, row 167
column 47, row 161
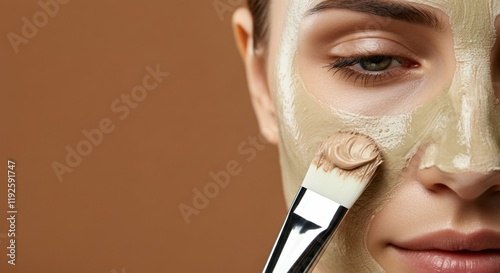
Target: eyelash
column 344, row 66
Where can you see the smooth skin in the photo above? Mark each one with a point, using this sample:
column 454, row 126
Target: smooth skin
column 387, row 70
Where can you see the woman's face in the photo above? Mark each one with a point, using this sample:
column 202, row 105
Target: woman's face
column 418, row 76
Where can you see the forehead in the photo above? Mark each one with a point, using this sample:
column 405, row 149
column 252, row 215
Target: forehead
column 490, row 8
column 460, row 7
column 472, row 21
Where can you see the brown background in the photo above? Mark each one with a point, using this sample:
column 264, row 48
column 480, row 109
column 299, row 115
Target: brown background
column 118, row 210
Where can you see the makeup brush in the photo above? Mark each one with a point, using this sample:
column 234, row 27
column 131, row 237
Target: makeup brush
column 341, row 170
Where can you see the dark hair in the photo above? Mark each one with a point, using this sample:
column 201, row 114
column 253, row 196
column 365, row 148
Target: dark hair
column 259, row 10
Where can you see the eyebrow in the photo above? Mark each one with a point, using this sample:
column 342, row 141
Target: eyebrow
column 399, row 11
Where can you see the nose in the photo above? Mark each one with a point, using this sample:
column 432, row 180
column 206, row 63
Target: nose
column 464, row 156
column 467, row 186
column 469, row 137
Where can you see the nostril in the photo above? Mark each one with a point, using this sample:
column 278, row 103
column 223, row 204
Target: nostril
column 440, row 188
column 433, row 179
column 495, row 191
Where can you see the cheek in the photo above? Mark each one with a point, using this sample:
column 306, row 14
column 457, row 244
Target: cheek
column 394, row 215
column 305, row 123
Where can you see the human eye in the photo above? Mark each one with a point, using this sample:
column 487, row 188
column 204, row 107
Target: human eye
column 371, row 70
column 386, row 69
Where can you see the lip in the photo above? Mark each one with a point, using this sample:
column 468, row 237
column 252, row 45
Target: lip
column 452, row 252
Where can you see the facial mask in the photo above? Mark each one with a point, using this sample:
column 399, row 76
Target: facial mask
column 458, row 130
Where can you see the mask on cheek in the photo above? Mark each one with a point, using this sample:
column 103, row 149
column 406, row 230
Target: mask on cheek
column 458, row 130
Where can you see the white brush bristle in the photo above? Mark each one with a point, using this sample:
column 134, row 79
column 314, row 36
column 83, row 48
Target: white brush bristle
column 337, row 185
